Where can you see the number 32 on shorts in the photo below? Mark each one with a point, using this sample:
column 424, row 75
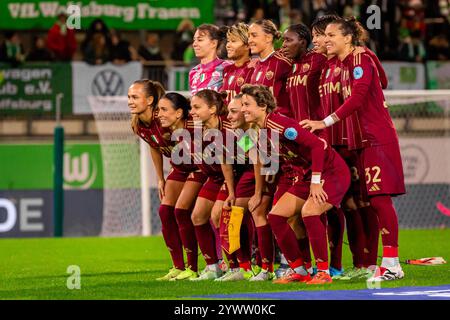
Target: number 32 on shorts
column 373, row 174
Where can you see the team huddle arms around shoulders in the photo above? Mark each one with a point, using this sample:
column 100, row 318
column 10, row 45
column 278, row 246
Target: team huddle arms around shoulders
column 276, row 150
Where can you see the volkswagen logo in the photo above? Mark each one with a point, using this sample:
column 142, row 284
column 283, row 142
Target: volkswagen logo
column 107, row 83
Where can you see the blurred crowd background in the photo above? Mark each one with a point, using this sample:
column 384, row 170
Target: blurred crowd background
column 411, row 30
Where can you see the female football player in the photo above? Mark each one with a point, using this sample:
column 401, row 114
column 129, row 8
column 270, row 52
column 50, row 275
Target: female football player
column 379, row 155
column 240, row 72
column 177, row 191
column 322, row 184
column 207, row 107
column 209, row 73
column 271, row 68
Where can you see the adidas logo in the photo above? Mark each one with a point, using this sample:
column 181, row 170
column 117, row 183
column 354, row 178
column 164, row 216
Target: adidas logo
column 374, row 188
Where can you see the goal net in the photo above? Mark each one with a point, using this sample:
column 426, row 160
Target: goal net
column 422, row 120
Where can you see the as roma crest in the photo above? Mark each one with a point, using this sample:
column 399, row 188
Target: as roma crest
column 240, row 81
column 305, row 67
column 337, row 71
column 269, row 75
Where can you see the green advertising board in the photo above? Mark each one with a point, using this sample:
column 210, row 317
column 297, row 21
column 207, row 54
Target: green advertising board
column 33, row 88
column 117, row 14
column 30, row 166
column 438, row 74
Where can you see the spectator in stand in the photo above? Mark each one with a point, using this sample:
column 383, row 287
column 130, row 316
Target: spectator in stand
column 96, row 26
column 121, row 50
column 257, row 15
column 97, row 52
column 184, row 35
column 439, row 48
column 39, row 52
column 412, row 48
column 11, row 50
column 150, row 51
column 61, row 40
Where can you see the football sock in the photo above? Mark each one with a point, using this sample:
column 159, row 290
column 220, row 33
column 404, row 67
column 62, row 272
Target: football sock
column 266, row 247
column 372, row 232
column 388, row 220
column 316, row 227
column 171, row 235
column 207, row 242
column 305, row 251
column 285, row 237
column 188, row 238
column 335, row 228
column 356, row 237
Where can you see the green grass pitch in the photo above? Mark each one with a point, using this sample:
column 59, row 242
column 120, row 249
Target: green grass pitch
column 125, row 268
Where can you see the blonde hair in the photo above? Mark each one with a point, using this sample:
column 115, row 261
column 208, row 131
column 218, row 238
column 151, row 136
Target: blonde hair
column 239, row 30
column 269, row 27
column 151, row 89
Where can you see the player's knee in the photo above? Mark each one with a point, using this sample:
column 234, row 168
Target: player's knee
column 350, row 204
column 310, row 210
column 198, row 218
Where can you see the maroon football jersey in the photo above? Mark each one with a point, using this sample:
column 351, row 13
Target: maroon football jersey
column 362, row 93
column 204, row 156
column 159, row 138
column 272, row 72
column 302, row 86
column 234, row 78
column 331, row 99
column 297, row 146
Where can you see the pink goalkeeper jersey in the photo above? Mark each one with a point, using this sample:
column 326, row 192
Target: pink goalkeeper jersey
column 207, row 76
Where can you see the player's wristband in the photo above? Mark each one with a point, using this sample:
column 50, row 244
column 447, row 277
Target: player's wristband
column 330, row 120
column 315, row 178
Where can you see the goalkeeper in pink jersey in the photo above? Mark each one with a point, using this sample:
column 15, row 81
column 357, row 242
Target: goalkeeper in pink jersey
column 209, row 73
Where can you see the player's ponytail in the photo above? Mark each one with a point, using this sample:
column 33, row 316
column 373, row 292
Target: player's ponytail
column 351, row 26
column 151, row 89
column 261, row 94
column 269, row 28
column 214, row 98
column 214, row 32
column 179, row 101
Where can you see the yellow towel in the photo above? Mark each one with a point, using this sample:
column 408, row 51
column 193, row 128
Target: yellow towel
column 234, row 228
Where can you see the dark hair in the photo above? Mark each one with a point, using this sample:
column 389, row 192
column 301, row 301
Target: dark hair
column 321, row 23
column 261, row 94
column 151, row 89
column 354, row 28
column 214, row 32
column 302, row 32
column 178, row 101
column 9, row 34
column 269, row 28
column 214, row 98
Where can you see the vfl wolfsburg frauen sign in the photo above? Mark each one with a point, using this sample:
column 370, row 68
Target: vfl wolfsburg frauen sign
column 118, row 14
